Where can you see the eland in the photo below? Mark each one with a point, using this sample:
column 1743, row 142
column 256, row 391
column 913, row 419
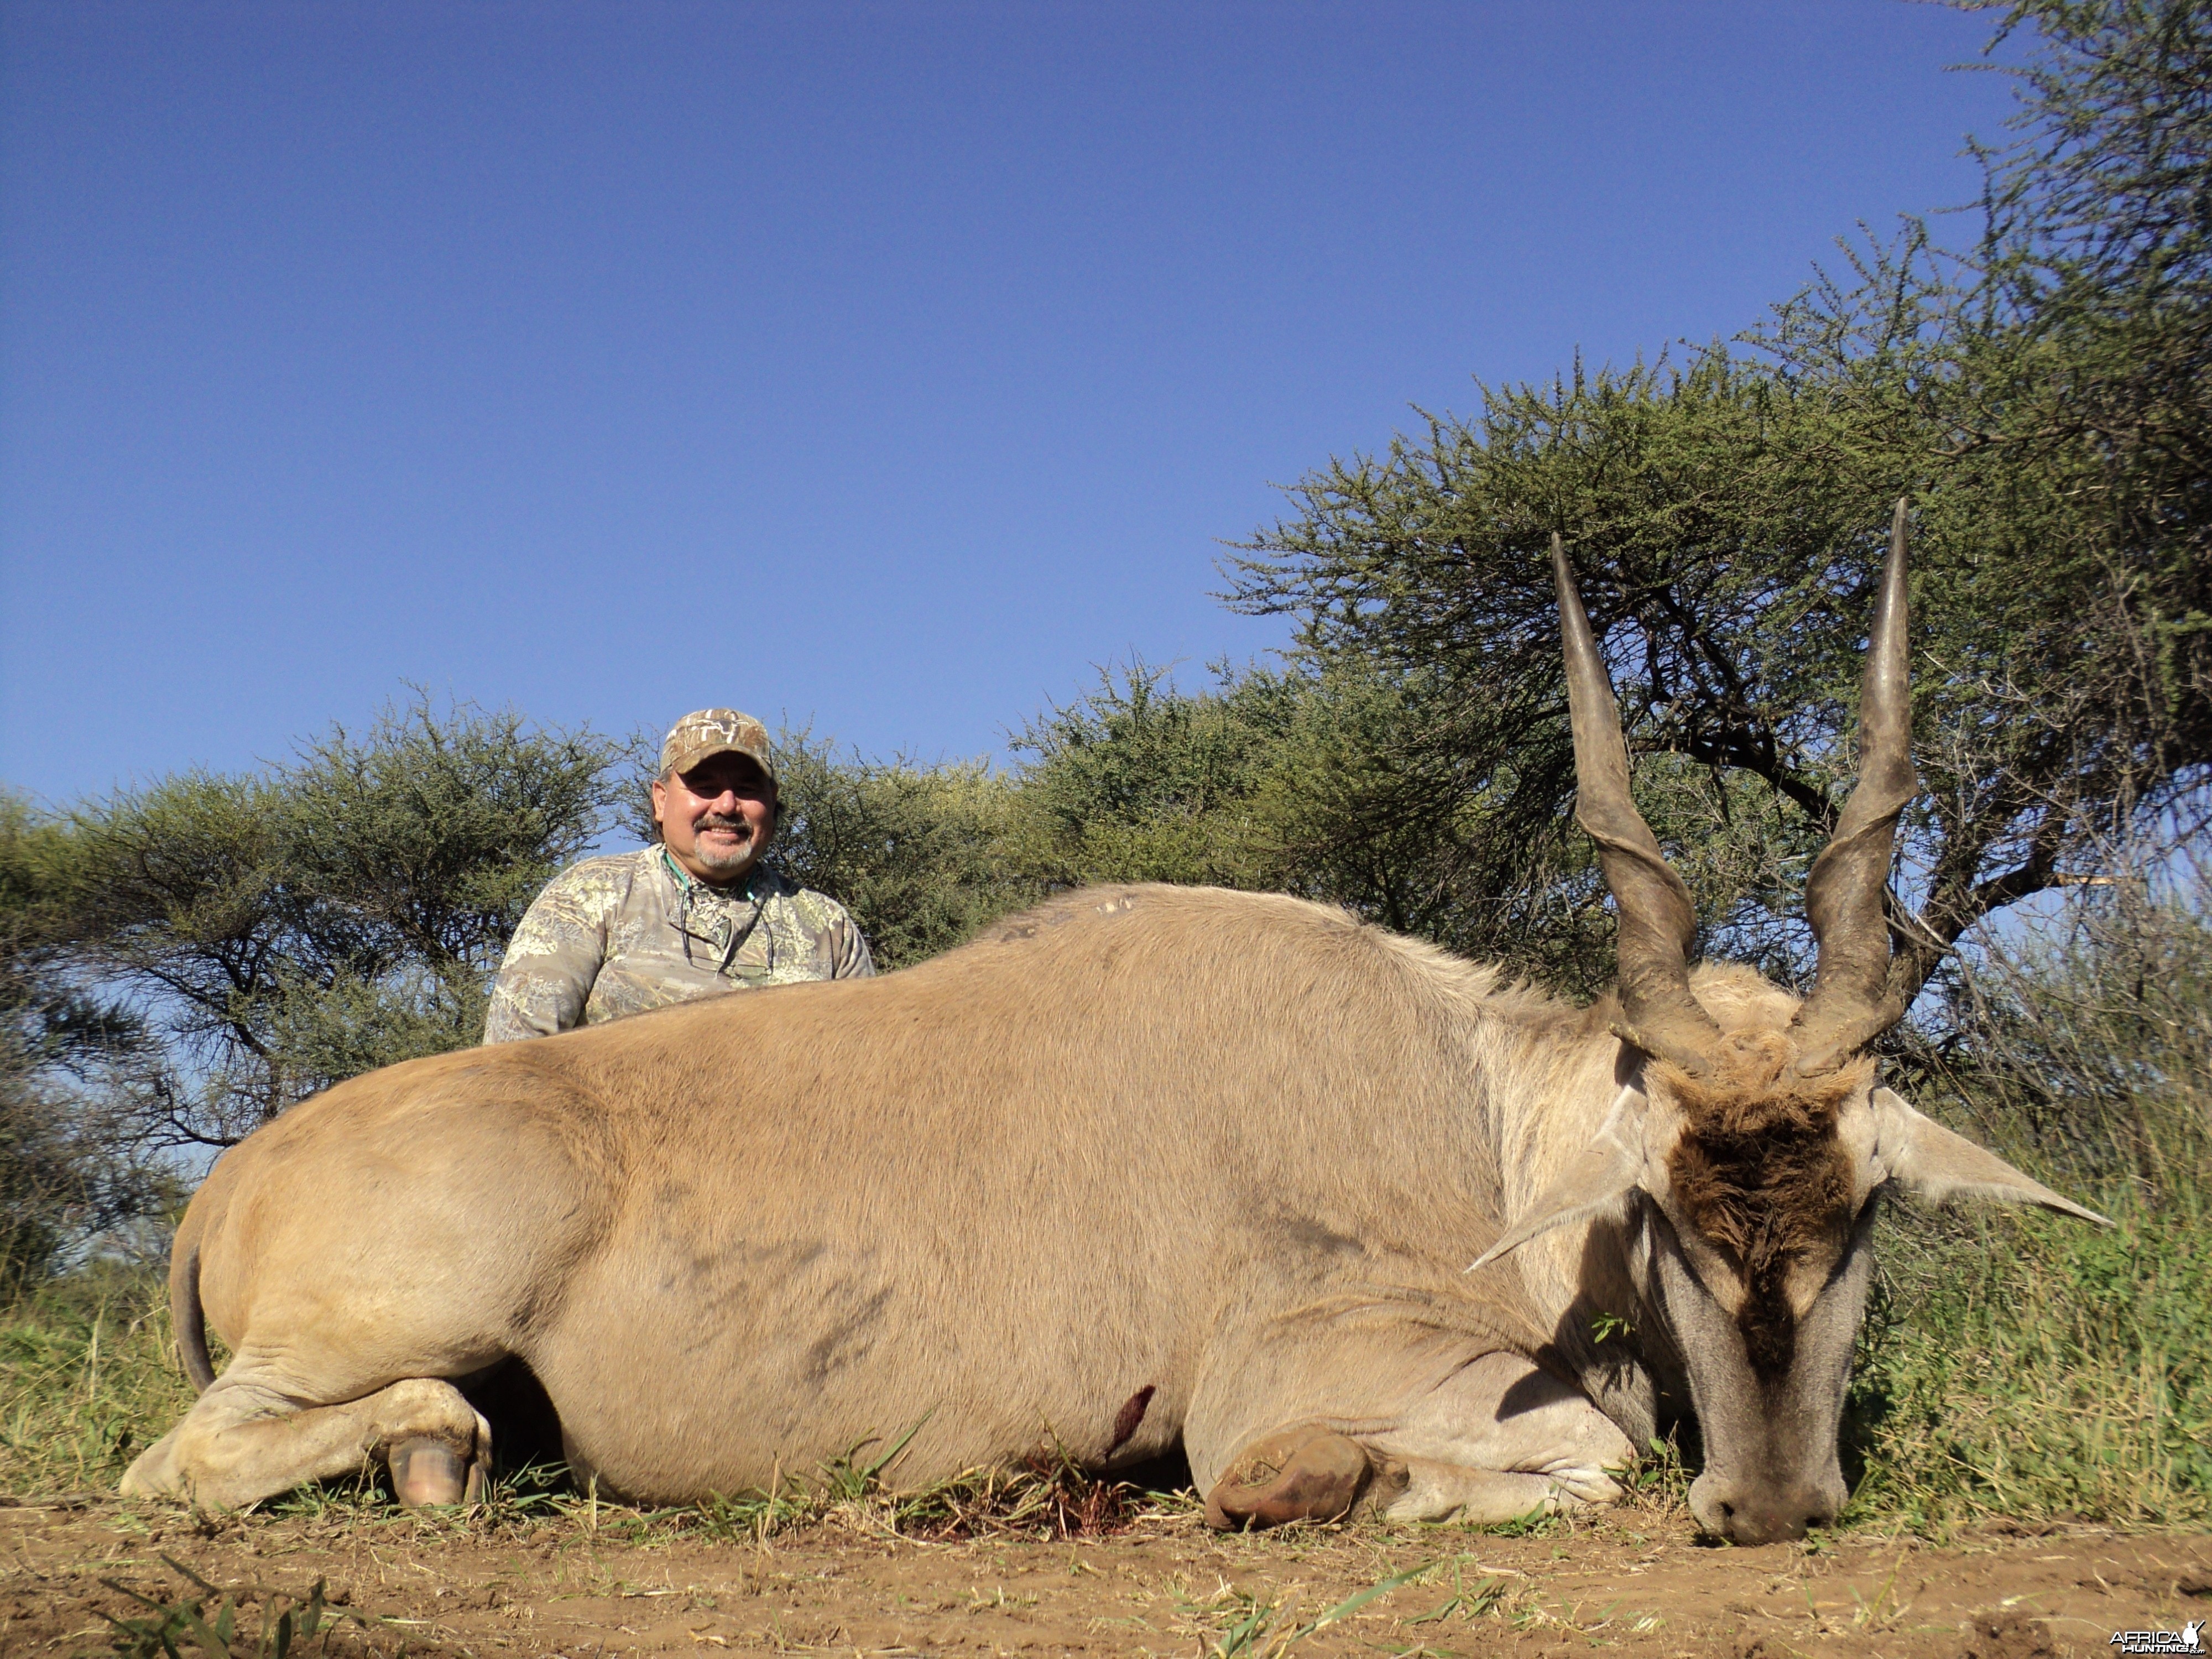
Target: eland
column 1145, row 1167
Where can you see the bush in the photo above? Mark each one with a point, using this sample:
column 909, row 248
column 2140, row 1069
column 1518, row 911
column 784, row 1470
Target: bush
column 2020, row 1364
column 917, row 854
column 69, row 1164
column 276, row 932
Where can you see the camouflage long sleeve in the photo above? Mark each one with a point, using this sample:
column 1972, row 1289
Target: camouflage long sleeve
column 555, row 956
column 620, row 934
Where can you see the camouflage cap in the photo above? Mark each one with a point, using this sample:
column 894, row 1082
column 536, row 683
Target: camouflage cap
column 707, row 731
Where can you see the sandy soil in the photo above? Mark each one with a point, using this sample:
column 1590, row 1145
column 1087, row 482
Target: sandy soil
column 425, row 1587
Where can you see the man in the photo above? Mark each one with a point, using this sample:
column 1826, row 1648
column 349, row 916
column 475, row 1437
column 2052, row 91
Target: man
column 697, row 914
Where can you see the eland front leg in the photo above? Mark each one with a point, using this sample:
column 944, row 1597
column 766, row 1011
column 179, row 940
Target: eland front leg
column 1311, row 1419
column 1500, row 1438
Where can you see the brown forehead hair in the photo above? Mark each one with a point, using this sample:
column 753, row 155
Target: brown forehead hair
column 1760, row 1171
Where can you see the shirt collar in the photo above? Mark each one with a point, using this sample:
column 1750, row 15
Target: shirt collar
column 688, row 884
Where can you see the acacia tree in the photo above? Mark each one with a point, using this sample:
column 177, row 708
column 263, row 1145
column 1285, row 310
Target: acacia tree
column 281, row 931
column 1726, row 519
column 68, row 1164
column 2099, row 247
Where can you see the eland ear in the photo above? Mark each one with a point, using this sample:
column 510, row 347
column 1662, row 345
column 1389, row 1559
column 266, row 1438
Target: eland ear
column 1929, row 1162
column 1601, row 1174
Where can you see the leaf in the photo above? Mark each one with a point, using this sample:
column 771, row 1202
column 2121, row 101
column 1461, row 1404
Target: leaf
column 1352, row 1603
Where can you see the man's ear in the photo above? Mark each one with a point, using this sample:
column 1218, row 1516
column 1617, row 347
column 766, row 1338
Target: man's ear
column 1600, row 1175
column 1933, row 1165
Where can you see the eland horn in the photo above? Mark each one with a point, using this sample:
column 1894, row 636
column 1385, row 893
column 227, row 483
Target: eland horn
column 1658, row 924
column 1852, row 1003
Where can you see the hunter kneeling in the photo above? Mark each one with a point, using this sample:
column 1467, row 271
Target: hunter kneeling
column 696, row 915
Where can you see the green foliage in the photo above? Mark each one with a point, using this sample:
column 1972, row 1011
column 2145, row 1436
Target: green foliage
column 2022, row 1364
column 1138, row 781
column 2030, row 1369
column 918, row 855
column 289, row 929
column 2099, row 245
column 1320, row 783
column 1726, row 521
column 431, row 835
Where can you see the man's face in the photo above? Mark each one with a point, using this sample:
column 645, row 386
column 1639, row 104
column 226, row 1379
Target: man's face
column 717, row 818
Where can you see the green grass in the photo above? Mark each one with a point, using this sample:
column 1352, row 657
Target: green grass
column 2020, row 1364
column 2034, row 1368
column 88, row 1378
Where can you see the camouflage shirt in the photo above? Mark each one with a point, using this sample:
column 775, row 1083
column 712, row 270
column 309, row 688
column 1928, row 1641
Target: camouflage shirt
column 617, row 935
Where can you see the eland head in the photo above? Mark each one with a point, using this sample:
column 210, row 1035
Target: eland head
column 1750, row 1139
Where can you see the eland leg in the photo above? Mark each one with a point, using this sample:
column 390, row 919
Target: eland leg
column 1498, row 1439
column 1305, row 1417
column 248, row 1438
column 1308, row 1473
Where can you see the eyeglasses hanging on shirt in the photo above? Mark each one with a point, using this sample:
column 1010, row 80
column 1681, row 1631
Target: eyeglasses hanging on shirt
column 693, row 914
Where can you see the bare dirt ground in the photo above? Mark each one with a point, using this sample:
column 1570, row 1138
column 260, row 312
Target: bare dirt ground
column 430, row 1586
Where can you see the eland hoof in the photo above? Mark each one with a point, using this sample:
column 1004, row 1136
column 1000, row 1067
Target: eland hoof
column 426, row 1471
column 1305, row 1474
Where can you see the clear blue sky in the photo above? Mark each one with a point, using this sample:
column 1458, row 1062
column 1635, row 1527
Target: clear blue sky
column 880, row 366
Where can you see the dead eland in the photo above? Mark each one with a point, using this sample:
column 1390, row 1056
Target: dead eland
column 1144, row 1166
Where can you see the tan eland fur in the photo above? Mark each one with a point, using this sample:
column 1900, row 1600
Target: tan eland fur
column 1233, row 1149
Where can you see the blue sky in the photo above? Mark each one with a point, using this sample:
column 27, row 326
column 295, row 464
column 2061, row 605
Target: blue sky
column 882, row 367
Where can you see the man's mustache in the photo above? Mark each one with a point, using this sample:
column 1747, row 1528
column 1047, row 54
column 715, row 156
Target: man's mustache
column 722, row 821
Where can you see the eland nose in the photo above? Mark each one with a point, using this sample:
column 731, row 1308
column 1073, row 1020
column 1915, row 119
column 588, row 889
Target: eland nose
column 1744, row 1513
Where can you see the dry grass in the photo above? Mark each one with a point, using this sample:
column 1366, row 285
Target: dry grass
column 88, row 1375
